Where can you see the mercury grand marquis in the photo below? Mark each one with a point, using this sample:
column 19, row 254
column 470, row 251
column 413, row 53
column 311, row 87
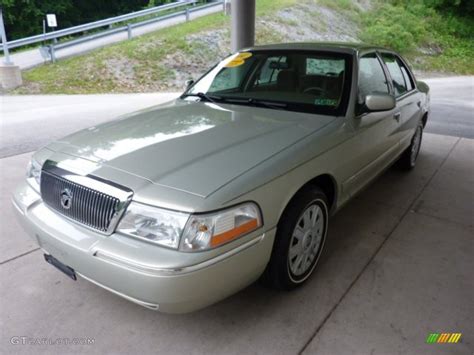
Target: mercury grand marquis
column 180, row 205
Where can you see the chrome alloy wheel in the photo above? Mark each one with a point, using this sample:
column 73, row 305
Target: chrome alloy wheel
column 306, row 241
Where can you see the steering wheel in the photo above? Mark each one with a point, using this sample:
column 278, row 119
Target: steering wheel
column 315, row 89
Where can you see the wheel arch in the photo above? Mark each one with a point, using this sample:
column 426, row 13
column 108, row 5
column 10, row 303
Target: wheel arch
column 424, row 119
column 328, row 184
column 325, row 182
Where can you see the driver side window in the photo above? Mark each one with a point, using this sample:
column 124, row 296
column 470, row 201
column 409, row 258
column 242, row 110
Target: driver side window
column 372, row 78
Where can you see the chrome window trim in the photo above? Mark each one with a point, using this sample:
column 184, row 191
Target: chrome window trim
column 122, row 193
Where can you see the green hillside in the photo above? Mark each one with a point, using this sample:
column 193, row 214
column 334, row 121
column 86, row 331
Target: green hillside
column 435, row 38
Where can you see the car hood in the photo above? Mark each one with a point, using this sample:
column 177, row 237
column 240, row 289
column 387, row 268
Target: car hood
column 194, row 147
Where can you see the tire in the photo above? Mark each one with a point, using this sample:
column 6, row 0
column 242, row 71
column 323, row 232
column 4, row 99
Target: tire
column 407, row 160
column 297, row 239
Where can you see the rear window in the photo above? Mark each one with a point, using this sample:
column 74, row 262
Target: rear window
column 318, row 66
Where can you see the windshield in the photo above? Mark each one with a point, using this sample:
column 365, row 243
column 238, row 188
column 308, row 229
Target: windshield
column 307, row 81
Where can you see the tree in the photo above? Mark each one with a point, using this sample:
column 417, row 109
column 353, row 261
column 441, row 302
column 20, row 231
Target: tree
column 88, row 11
column 25, row 17
column 460, row 7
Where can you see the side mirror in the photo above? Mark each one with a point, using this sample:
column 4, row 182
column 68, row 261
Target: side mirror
column 379, row 102
column 188, row 83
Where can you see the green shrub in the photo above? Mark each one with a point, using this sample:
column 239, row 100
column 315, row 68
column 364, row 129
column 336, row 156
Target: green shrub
column 394, row 27
column 437, row 36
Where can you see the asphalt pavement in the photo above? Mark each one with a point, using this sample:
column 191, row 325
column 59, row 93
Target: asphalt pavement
column 452, row 106
column 29, row 122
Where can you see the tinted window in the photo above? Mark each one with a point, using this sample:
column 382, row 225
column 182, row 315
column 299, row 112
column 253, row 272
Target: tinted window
column 371, row 76
column 395, row 70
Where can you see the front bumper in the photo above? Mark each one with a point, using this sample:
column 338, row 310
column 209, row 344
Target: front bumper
column 152, row 276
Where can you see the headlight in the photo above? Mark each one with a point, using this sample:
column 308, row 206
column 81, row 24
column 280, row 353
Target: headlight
column 153, row 224
column 189, row 232
column 33, row 174
column 209, row 231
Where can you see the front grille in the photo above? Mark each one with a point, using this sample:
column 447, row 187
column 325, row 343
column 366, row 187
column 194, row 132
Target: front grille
column 80, row 203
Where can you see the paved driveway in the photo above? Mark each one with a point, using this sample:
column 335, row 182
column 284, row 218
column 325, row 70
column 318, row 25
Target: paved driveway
column 31, row 121
column 452, row 106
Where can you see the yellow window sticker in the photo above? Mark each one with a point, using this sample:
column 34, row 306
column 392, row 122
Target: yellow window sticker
column 244, row 55
column 238, row 60
column 234, row 63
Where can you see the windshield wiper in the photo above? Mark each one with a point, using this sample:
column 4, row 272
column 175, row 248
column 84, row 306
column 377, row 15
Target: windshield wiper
column 256, row 102
column 270, row 104
column 204, row 97
column 238, row 100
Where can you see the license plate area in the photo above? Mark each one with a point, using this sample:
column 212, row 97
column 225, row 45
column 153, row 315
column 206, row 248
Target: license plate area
column 60, row 266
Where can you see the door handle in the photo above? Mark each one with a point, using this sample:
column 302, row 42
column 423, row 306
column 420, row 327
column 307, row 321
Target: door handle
column 397, row 116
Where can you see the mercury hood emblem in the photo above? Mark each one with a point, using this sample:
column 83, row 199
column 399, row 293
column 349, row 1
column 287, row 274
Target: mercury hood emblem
column 66, row 199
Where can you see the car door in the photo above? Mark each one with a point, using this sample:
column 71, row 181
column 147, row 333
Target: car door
column 407, row 96
column 376, row 143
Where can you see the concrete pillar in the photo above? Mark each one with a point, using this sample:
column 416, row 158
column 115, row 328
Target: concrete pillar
column 10, row 75
column 243, row 24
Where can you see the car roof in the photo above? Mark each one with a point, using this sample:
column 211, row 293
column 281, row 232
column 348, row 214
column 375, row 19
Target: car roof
column 341, row 47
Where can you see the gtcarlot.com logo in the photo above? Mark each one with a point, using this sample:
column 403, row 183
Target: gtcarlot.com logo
column 24, row 340
column 443, row 338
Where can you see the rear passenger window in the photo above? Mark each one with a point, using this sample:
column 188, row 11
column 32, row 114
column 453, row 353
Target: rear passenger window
column 371, row 76
column 401, row 81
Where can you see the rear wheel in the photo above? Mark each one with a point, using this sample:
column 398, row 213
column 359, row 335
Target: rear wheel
column 408, row 158
column 299, row 240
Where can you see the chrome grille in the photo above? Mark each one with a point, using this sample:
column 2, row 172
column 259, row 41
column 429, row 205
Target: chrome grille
column 88, row 206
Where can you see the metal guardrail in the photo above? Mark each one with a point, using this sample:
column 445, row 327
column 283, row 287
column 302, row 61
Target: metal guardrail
column 49, row 50
column 96, row 24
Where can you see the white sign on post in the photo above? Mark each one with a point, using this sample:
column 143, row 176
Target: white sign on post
column 51, row 19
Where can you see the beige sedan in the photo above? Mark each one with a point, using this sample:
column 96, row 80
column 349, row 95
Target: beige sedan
column 181, row 205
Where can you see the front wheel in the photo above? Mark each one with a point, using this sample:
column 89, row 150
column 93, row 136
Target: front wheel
column 299, row 240
column 408, row 158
